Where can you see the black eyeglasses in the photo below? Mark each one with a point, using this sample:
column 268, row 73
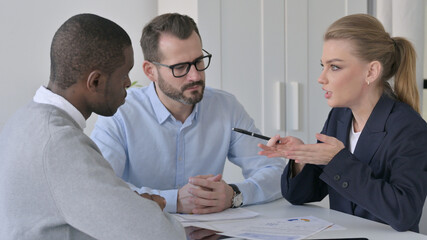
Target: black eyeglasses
column 181, row 69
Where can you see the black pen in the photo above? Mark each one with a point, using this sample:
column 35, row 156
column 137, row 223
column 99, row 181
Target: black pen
column 251, row 133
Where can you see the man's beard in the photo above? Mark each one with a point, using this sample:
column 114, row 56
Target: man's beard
column 178, row 95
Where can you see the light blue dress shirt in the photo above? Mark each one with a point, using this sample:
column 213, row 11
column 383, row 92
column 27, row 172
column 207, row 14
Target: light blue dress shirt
column 155, row 153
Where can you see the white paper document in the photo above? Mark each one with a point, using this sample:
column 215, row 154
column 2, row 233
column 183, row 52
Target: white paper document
column 228, row 214
column 272, row 229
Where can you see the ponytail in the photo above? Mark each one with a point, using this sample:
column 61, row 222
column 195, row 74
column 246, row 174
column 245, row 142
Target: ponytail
column 405, row 84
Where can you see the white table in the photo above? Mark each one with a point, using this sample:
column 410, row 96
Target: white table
column 355, row 226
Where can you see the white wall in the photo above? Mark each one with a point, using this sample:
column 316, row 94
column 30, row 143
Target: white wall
column 27, row 31
column 425, row 38
column 425, row 65
column 187, row 7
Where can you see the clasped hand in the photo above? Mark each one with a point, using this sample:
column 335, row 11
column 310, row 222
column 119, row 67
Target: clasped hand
column 204, row 194
column 293, row 148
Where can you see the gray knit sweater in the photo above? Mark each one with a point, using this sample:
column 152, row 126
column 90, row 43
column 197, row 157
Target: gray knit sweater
column 55, row 184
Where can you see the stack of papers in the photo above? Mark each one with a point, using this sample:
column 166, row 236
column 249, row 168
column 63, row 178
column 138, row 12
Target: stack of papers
column 272, row 229
column 242, row 223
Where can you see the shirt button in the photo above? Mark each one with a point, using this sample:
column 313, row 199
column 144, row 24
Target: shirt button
column 180, row 159
column 344, row 185
column 337, row 177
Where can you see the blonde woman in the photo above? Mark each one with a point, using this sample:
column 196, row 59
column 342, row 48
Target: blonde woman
column 370, row 157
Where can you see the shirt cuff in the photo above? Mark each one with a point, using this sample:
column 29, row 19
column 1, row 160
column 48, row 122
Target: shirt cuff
column 171, row 197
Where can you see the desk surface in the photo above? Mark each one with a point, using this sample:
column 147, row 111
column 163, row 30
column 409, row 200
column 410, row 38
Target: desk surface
column 355, row 226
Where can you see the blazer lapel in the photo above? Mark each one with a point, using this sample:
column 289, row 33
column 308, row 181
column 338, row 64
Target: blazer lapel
column 374, row 130
column 343, row 127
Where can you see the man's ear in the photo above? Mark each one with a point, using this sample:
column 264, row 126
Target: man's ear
column 374, row 71
column 150, row 70
column 95, row 81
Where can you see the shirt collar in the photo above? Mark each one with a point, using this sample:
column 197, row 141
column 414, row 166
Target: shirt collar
column 45, row 96
column 162, row 113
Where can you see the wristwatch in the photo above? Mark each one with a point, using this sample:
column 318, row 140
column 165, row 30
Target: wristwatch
column 237, row 200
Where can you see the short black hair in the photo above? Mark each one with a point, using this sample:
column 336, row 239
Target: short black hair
column 84, row 43
column 180, row 26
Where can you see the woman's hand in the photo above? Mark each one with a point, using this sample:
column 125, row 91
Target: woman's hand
column 277, row 146
column 319, row 153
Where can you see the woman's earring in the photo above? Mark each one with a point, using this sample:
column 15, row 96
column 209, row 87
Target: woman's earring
column 368, row 83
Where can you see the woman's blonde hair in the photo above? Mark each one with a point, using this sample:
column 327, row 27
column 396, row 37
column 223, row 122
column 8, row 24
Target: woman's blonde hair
column 372, row 43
